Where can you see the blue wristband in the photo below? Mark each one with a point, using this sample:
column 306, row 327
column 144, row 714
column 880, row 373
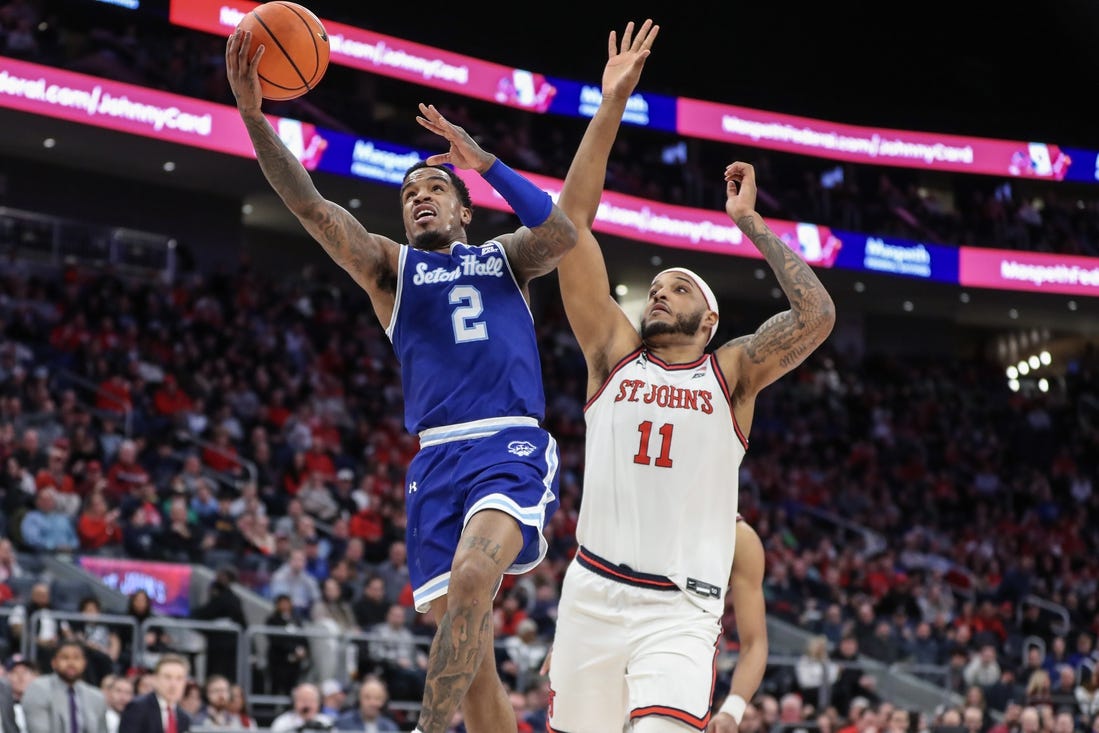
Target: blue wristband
column 531, row 204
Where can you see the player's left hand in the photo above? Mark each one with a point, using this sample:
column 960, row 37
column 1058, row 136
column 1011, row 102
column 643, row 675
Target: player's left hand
column 464, row 150
column 740, row 190
column 722, row 723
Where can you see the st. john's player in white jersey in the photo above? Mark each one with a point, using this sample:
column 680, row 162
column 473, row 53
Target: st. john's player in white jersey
column 667, row 427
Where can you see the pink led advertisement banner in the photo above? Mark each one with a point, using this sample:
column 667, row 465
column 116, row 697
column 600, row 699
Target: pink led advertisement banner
column 678, row 226
column 393, row 57
column 471, row 77
column 818, row 138
column 122, row 107
column 89, row 100
column 1033, row 271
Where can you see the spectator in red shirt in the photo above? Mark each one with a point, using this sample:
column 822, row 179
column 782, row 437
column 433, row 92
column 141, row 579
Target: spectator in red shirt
column 169, row 400
column 114, row 395
column 276, row 410
column 508, row 616
column 368, row 524
column 988, row 622
column 295, row 474
column 145, row 501
column 55, row 475
column 69, row 336
column 125, row 474
column 222, row 455
column 107, row 337
column 93, row 479
column 318, row 460
column 98, row 525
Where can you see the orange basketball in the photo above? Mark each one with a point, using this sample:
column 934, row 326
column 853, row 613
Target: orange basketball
column 296, row 49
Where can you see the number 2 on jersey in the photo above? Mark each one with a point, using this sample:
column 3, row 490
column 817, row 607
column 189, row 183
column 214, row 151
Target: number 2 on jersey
column 468, row 298
column 663, row 460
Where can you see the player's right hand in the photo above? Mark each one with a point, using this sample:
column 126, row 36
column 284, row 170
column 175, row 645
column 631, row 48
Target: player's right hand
column 740, row 190
column 464, row 151
column 623, row 68
column 243, row 74
column 722, row 723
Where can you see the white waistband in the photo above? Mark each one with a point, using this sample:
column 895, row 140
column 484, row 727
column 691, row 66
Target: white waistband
column 473, row 429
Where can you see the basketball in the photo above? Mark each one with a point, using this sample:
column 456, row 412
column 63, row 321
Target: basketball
column 296, row 49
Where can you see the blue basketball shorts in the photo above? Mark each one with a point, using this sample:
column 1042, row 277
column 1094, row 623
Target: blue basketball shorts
column 506, row 464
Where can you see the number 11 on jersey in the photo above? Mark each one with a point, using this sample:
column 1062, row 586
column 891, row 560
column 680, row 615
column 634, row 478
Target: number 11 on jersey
column 664, row 459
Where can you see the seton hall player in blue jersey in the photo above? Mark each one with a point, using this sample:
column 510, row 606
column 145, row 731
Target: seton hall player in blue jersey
column 485, row 479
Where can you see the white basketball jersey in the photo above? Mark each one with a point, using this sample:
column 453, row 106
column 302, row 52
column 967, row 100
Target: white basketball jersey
column 663, row 454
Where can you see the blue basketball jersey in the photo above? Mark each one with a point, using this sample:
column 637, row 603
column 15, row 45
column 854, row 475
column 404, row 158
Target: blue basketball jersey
column 464, row 335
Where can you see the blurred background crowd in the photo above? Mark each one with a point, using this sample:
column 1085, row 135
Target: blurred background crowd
column 917, row 514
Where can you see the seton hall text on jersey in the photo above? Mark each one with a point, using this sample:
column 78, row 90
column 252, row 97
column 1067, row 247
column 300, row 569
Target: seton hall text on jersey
column 663, row 395
column 470, row 265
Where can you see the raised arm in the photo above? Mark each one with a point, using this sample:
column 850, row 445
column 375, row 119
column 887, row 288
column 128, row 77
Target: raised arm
column 546, row 235
column 787, row 338
column 369, row 258
column 750, row 609
column 603, row 331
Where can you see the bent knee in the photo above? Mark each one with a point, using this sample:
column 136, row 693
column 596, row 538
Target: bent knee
column 473, row 574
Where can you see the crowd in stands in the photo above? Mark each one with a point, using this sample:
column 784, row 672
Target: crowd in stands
column 140, row 48
column 265, row 432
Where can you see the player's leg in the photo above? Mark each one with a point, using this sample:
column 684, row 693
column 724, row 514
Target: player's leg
column 510, row 481
column 673, row 670
column 486, row 706
column 489, row 543
column 590, row 648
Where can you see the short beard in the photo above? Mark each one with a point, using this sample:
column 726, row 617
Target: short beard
column 431, row 240
column 687, row 325
column 69, row 680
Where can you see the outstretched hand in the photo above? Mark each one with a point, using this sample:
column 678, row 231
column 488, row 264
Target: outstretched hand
column 623, row 68
column 740, row 190
column 243, row 74
column 464, row 151
column 722, row 723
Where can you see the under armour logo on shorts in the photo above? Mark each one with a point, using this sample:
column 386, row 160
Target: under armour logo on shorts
column 521, row 447
column 412, row 488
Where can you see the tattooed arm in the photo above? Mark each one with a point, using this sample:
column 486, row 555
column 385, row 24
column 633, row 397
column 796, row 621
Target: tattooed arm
column 532, row 251
column 369, row 258
column 786, row 339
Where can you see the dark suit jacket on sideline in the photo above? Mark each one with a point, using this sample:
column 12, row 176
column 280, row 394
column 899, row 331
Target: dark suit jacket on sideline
column 142, row 715
column 7, row 707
